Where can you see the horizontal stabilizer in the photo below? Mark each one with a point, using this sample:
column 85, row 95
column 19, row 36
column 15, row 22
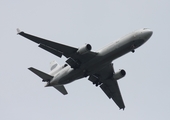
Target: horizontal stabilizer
column 61, row 89
column 46, row 77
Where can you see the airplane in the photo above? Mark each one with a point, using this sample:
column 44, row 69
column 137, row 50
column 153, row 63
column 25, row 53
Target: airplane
column 82, row 62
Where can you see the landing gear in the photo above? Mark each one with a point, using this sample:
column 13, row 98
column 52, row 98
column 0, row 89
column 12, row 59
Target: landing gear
column 85, row 73
column 132, row 51
column 97, row 83
column 95, row 79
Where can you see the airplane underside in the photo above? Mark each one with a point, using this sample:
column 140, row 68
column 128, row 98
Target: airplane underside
column 82, row 62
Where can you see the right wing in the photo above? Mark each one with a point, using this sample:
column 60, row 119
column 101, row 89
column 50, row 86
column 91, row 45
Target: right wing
column 108, row 84
column 111, row 89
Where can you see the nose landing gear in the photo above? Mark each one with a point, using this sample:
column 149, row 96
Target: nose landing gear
column 133, row 48
column 132, row 51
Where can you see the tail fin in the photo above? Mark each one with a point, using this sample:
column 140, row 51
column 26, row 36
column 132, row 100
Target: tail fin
column 61, row 89
column 46, row 77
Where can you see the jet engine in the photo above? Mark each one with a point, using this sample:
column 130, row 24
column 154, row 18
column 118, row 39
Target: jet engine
column 118, row 75
column 53, row 64
column 85, row 49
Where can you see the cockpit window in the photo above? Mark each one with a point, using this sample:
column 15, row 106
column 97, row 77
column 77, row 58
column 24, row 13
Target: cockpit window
column 145, row 28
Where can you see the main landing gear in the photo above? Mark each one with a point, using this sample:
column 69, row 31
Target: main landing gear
column 97, row 83
column 95, row 80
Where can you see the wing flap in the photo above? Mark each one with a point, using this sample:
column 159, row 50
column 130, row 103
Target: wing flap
column 51, row 50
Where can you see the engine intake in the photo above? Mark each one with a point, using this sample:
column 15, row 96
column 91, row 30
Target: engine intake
column 120, row 74
column 85, row 49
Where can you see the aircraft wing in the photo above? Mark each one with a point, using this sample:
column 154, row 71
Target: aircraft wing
column 111, row 89
column 109, row 85
column 57, row 48
column 53, row 47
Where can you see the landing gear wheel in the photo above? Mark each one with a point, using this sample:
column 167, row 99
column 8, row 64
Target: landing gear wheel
column 97, row 83
column 132, row 51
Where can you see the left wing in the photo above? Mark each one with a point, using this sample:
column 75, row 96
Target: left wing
column 59, row 49
column 53, row 47
column 108, row 84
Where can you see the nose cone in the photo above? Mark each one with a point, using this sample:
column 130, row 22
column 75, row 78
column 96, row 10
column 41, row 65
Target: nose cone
column 147, row 33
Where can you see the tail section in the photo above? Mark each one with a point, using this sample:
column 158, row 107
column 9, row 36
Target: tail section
column 46, row 77
column 61, row 89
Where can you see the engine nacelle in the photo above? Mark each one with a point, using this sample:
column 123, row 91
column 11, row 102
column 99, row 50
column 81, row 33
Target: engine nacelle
column 53, row 64
column 85, row 49
column 118, row 75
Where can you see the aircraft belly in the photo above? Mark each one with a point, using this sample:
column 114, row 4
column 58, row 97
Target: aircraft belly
column 104, row 58
column 107, row 56
column 115, row 51
column 94, row 65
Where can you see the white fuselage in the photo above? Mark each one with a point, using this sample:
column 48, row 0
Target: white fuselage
column 128, row 43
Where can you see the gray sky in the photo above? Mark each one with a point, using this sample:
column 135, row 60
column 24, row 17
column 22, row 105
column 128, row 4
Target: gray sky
column 145, row 88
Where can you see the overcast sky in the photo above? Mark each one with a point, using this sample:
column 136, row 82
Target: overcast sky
column 145, row 88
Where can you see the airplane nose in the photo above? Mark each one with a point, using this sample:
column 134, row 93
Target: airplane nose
column 148, row 33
